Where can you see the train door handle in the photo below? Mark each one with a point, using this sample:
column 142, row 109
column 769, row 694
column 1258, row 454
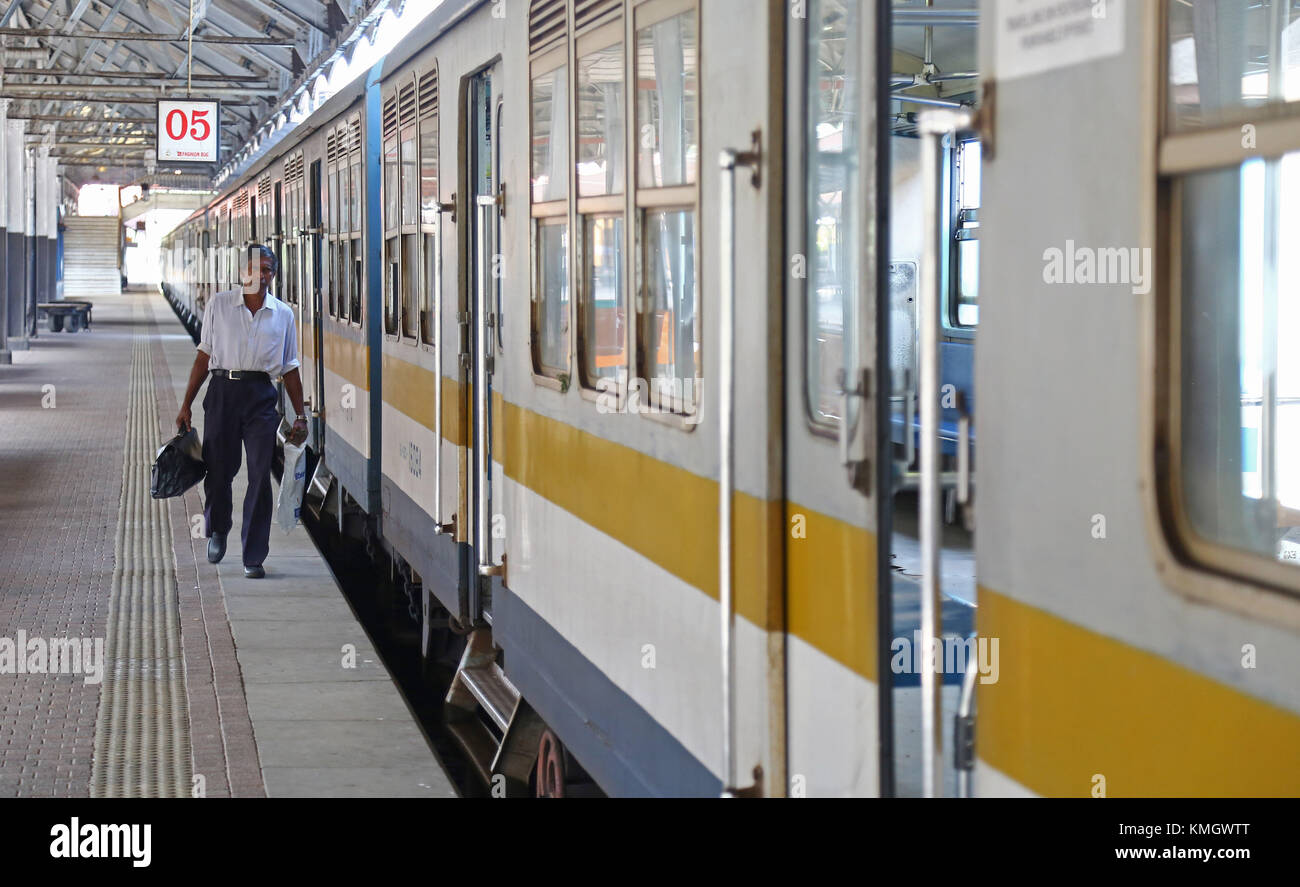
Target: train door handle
column 729, row 161
column 855, row 440
column 934, row 125
column 482, row 338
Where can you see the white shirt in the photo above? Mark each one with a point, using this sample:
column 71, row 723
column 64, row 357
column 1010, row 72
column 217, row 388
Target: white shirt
column 236, row 339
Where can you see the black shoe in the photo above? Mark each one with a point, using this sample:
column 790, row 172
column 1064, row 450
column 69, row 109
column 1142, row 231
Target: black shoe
column 254, row 572
column 216, row 547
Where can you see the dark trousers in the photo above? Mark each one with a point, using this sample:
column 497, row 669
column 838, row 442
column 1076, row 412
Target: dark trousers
column 235, row 413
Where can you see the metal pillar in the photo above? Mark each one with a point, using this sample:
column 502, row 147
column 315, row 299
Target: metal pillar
column 16, row 257
column 28, row 314
column 53, row 195
column 5, row 356
column 43, row 291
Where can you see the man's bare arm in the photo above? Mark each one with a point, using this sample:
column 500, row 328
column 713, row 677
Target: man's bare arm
column 293, row 385
column 198, row 373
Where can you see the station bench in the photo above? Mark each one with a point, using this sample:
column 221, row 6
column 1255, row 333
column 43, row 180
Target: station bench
column 69, row 314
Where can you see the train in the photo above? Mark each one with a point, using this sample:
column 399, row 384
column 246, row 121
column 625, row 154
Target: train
column 643, row 338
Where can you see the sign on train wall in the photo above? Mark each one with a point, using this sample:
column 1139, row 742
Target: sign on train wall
column 1034, row 36
column 188, row 131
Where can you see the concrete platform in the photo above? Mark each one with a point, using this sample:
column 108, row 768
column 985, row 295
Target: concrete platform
column 269, row 702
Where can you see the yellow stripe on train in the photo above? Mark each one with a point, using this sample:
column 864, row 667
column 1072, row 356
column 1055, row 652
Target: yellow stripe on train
column 1071, row 705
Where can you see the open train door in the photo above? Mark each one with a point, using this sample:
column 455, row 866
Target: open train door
column 313, row 300
column 837, row 459
column 481, row 140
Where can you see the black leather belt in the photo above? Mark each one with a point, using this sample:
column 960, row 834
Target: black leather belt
column 242, row 375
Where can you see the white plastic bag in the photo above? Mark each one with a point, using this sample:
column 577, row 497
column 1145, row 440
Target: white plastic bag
column 292, row 483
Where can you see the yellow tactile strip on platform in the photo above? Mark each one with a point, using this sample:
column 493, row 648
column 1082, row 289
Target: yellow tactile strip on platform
column 141, row 734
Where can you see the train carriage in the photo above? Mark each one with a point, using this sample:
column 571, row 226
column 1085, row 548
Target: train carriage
column 642, row 345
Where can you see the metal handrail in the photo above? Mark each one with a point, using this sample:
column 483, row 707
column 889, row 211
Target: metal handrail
column 440, row 526
column 482, row 342
column 728, row 161
column 965, row 710
column 933, row 126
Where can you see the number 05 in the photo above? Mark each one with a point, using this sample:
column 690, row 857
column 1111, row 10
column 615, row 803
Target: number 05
column 200, row 120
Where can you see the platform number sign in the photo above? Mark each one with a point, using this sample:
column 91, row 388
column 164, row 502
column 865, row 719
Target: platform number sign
column 188, row 131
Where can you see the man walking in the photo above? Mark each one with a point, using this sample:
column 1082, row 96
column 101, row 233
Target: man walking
column 248, row 341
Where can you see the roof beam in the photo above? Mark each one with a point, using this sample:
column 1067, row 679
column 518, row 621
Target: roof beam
column 153, row 76
column 104, row 100
column 38, row 90
column 72, row 118
column 147, row 37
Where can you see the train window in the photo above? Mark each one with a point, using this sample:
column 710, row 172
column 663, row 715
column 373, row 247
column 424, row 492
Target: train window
column 1230, row 383
column 345, row 195
column 672, row 324
column 1240, row 384
column 355, row 273
column 295, row 226
column 551, row 305
column 603, row 304
column 332, row 238
column 665, row 70
column 279, row 245
column 392, row 204
column 409, row 175
column 667, row 95
column 355, row 279
column 600, row 122
column 314, row 240
column 550, row 136
column 602, row 299
column 834, row 211
column 345, row 277
column 410, row 284
column 1231, row 62
column 231, row 276
column 354, row 194
column 291, row 249
column 430, row 210
column 392, row 196
column 550, row 189
column 964, row 304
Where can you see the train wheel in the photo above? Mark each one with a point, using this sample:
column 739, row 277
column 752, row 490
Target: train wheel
column 550, row 781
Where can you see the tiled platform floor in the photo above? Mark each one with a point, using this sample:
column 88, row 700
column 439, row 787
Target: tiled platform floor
column 272, row 709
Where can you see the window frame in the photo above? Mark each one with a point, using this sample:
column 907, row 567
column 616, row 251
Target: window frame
column 331, row 238
column 408, row 232
column 817, row 423
column 596, row 39
column 390, row 217
column 429, row 122
column 956, row 224
column 641, row 200
column 546, row 213
column 356, row 203
column 1199, row 568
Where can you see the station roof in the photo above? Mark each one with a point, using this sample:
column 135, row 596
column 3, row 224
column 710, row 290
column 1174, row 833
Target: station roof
column 86, row 74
